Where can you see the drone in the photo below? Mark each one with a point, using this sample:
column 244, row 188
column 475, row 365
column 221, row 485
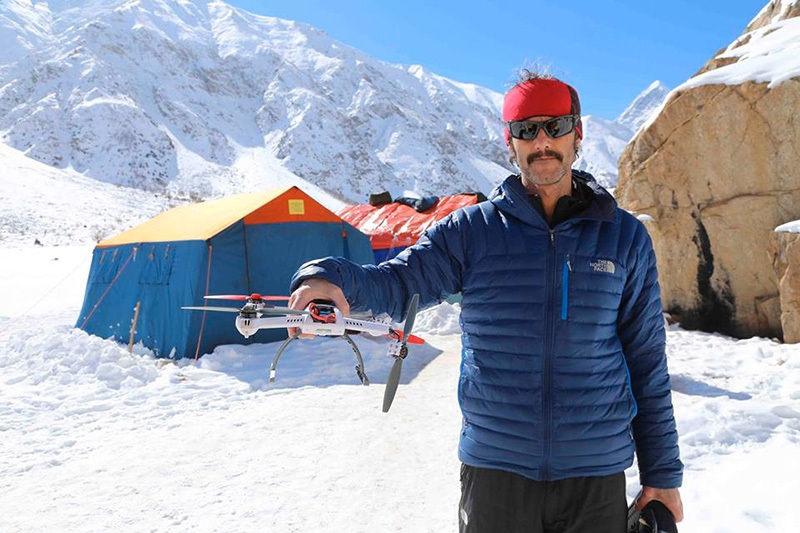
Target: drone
column 324, row 319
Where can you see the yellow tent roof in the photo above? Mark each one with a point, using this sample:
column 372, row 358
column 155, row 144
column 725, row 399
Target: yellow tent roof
column 199, row 221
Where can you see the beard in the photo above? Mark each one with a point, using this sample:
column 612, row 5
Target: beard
column 541, row 177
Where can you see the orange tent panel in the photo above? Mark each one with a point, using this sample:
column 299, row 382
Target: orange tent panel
column 292, row 206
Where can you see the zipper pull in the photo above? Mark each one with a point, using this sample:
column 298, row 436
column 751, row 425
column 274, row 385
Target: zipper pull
column 552, row 237
column 569, row 263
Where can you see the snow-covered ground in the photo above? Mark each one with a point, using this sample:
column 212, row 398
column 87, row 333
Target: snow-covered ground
column 93, row 438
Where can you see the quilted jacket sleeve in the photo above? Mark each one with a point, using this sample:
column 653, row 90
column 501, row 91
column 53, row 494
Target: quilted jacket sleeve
column 431, row 268
column 641, row 330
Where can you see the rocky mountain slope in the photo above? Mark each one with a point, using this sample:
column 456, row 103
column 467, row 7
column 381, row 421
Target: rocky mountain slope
column 195, row 99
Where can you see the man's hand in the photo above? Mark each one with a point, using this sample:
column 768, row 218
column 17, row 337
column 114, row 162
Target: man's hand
column 317, row 289
column 669, row 497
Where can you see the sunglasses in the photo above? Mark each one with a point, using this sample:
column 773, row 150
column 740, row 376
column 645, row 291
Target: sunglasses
column 527, row 130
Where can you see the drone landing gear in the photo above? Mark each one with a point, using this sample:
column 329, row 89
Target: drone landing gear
column 277, row 357
column 360, row 372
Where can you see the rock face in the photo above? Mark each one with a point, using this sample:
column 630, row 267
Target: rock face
column 718, row 170
column 786, row 262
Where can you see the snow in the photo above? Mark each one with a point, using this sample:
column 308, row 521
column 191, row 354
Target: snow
column 94, row 438
column 770, row 54
column 789, row 227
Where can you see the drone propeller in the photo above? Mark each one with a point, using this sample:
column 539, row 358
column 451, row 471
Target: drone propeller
column 200, row 308
column 394, row 374
column 275, row 311
column 241, row 297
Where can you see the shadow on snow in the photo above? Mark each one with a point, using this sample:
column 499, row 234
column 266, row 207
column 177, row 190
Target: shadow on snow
column 686, row 385
column 318, row 362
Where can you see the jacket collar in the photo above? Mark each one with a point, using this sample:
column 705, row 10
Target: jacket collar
column 512, row 198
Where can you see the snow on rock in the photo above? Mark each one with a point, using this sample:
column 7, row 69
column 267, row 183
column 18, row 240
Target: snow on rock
column 769, row 53
column 789, row 227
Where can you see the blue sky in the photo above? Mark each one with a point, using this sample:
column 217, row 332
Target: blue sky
column 609, row 50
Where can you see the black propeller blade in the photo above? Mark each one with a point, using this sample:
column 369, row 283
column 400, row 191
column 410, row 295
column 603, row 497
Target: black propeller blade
column 394, row 375
column 277, row 311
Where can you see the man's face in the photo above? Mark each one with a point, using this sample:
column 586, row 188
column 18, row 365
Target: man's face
column 544, row 160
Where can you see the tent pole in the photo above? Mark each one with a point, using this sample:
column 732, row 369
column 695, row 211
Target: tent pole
column 203, row 319
column 133, row 325
column 247, row 260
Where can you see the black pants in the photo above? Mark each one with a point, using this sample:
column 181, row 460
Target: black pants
column 495, row 501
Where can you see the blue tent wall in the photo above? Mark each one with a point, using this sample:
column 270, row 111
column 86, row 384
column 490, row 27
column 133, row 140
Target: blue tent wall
column 167, row 275
column 158, row 276
column 357, row 246
column 228, row 275
column 276, row 251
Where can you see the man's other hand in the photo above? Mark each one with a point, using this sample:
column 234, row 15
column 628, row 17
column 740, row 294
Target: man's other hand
column 669, row 497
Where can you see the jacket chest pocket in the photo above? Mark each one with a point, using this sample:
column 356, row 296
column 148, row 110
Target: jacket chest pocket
column 590, row 288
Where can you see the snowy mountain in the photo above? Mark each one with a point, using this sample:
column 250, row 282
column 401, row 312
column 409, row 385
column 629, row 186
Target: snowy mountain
column 643, row 106
column 199, row 98
column 604, row 140
column 194, row 99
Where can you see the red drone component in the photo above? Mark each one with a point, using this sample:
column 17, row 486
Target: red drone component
column 397, row 334
column 325, row 314
column 254, row 297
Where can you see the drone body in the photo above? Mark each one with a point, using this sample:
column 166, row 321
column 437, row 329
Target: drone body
column 320, row 318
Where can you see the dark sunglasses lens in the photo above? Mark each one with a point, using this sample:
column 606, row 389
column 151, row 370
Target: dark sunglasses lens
column 524, row 130
column 555, row 127
column 559, row 126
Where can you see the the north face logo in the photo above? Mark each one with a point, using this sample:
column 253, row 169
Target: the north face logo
column 601, row 265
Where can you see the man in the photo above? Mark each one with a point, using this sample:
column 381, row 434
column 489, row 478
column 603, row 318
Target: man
column 563, row 371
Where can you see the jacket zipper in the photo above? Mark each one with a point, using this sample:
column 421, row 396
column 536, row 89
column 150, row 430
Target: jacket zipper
column 565, row 271
column 548, row 349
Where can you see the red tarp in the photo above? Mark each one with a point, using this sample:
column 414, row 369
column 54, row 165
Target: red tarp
column 395, row 226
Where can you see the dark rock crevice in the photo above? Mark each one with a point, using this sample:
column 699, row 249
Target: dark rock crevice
column 716, row 307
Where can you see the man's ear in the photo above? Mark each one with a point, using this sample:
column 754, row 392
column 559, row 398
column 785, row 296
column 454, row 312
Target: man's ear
column 512, row 154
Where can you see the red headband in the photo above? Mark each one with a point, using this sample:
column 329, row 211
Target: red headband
column 540, row 97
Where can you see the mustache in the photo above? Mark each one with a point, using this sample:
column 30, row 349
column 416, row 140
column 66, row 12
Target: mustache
column 545, row 153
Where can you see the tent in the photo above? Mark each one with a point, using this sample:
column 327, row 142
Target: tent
column 235, row 245
column 394, row 226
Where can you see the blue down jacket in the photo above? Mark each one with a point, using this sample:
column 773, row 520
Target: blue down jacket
column 563, row 370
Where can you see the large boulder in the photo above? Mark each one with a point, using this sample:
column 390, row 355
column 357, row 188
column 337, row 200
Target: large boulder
column 786, row 262
column 718, row 170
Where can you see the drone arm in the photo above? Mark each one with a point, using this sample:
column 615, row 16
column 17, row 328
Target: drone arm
column 249, row 326
column 365, row 326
